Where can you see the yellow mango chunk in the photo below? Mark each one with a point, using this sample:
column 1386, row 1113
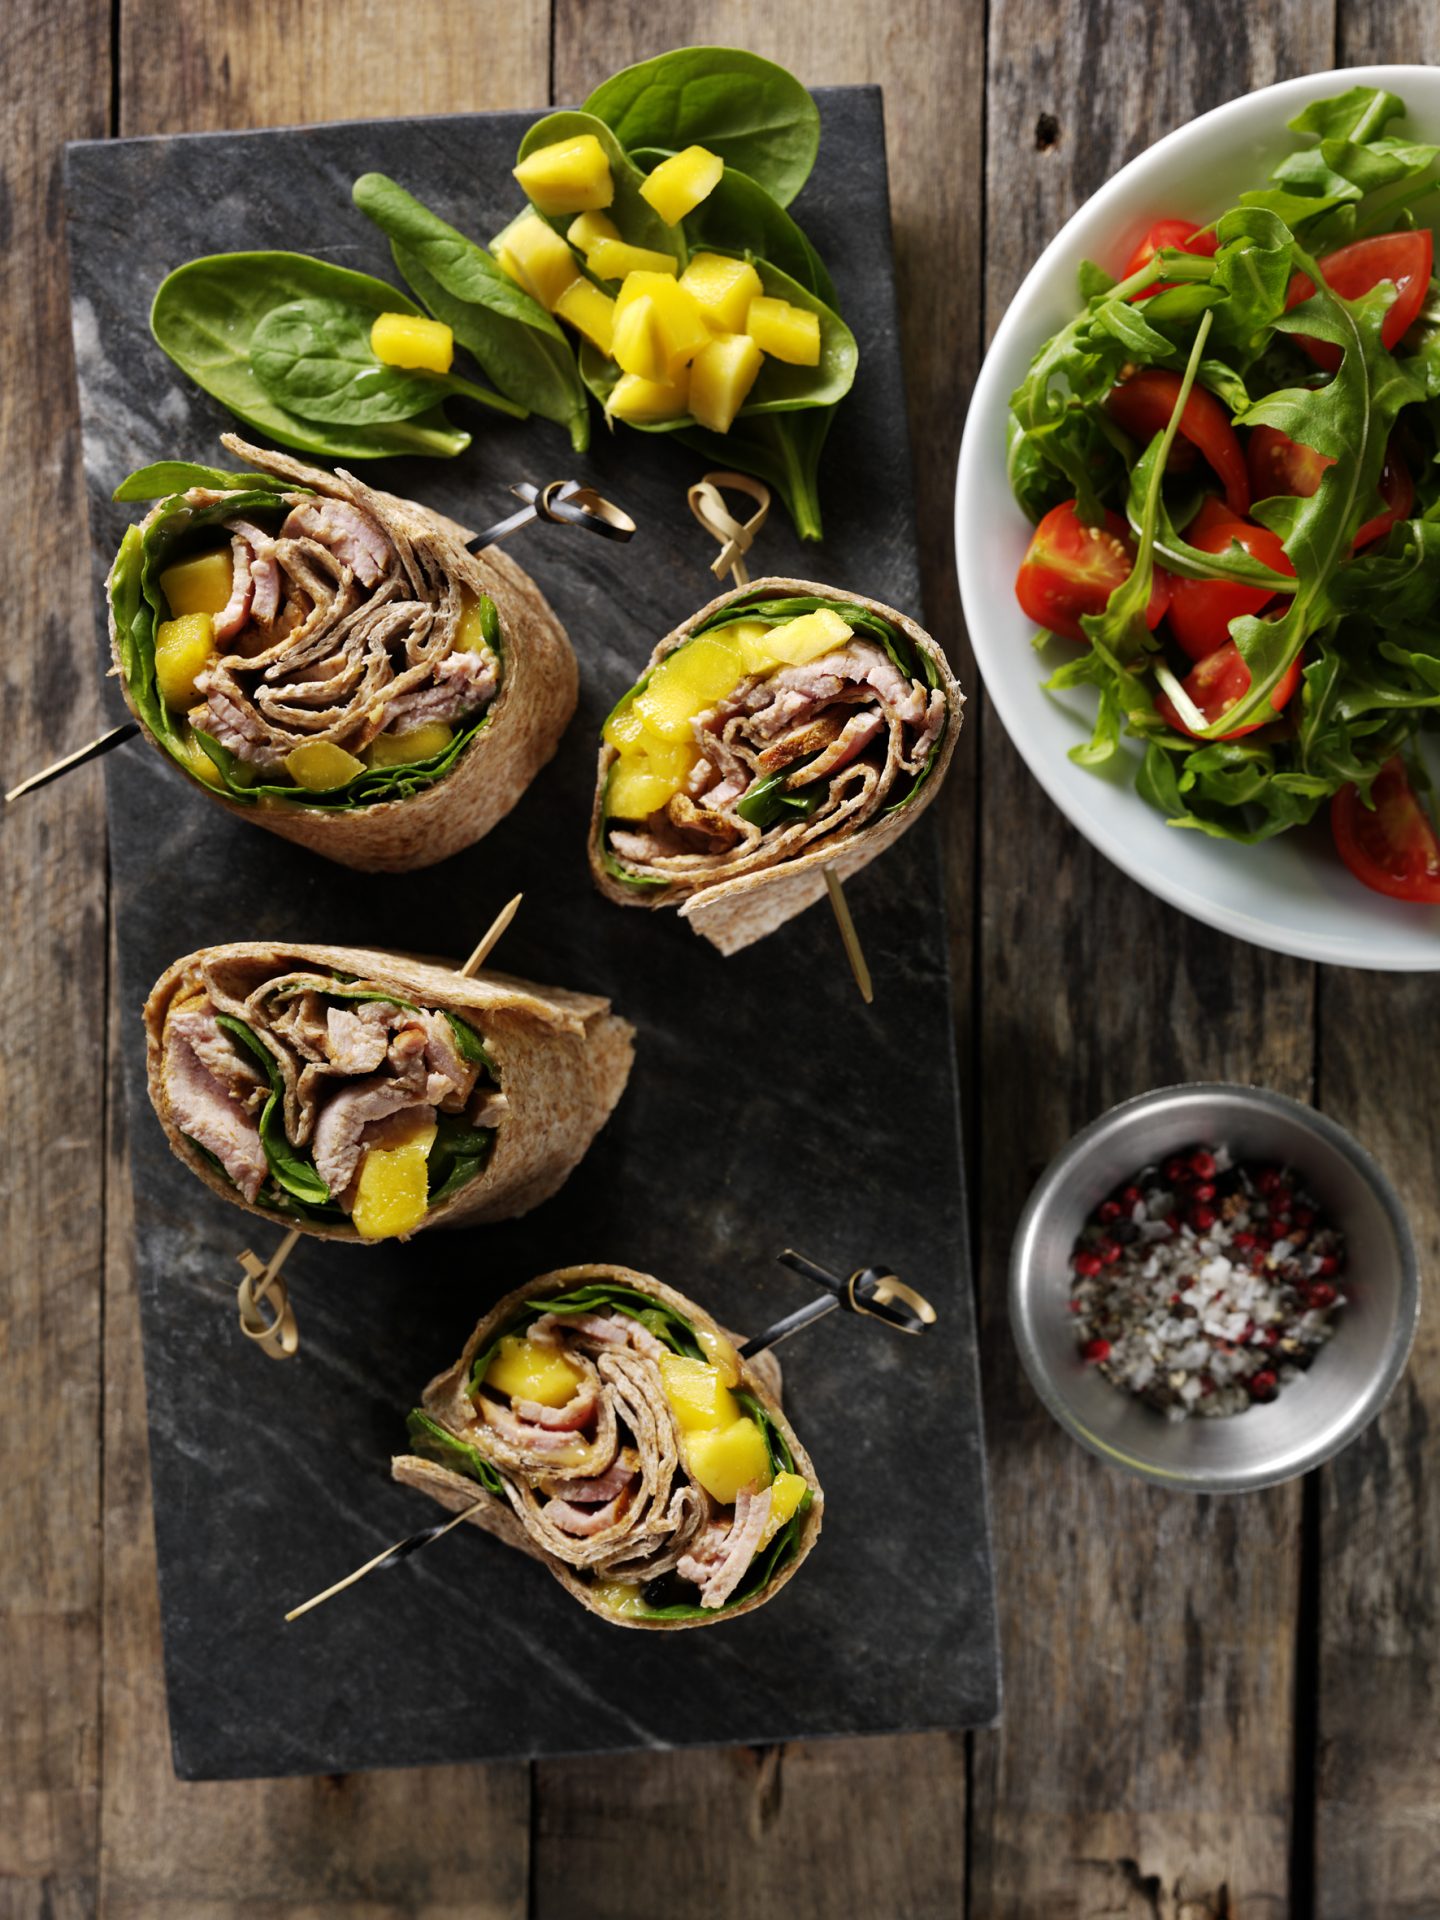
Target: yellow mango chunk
column 721, row 379
column 195, row 759
column 787, row 1490
column 528, row 1372
column 640, row 786
column 673, row 329
column 721, row 1355
column 805, row 638
column 587, row 230
column 788, row 333
column 533, row 253
column 614, row 259
column 689, row 682
column 410, row 340
column 635, row 343
column 199, row 585
column 390, row 1193
column 568, row 176
column 679, row 184
column 698, row 1397
column 633, row 397
column 626, row 731
column 402, row 749
column 183, row 648
column 725, row 1459
column 589, row 311
column 625, row 1597
column 319, row 765
column 470, row 631
column 723, row 289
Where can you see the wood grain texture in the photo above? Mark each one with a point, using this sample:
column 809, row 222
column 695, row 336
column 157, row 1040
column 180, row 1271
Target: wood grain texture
column 54, row 85
column 1143, row 1766
column 795, row 1830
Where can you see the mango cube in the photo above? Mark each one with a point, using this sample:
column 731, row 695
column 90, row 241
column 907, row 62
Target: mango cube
column 633, row 397
column 613, row 259
column 698, row 1397
column 679, row 184
column 410, row 340
column 568, row 176
column 721, row 378
column 533, row 253
column 640, row 785
column 590, row 312
column 183, row 648
column 625, row 730
column 788, row 333
column 787, row 1490
column 806, row 638
column 723, row 289
column 689, row 682
column 391, row 1190
column 623, row 1597
column 529, row 1372
column 470, row 632
column 725, row 1459
column 405, row 749
column 587, row 230
column 199, row 585
column 670, row 332
column 195, row 759
column 319, row 766
column 721, row 1355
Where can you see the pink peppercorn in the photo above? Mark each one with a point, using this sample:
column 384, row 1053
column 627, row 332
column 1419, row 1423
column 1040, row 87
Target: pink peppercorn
column 1094, row 1350
column 1088, row 1264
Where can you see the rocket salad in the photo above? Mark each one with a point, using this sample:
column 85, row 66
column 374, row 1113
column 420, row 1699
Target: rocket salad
column 1230, row 457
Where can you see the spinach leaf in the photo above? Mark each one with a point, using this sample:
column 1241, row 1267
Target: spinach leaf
column 739, row 217
column 205, row 315
column 458, row 1153
column 471, row 1046
column 768, row 802
column 292, row 1171
column 164, row 477
column 754, row 114
column 520, row 346
column 630, row 210
column 434, row 1442
column 314, row 358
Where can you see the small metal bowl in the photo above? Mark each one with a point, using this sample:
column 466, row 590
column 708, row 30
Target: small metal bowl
column 1312, row 1417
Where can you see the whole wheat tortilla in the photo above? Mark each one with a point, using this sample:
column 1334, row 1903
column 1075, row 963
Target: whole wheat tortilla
column 538, row 690
column 455, row 1492
column 733, row 913
column 564, row 1059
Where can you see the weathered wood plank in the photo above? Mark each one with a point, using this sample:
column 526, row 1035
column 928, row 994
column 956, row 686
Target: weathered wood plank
column 444, row 1841
column 1143, row 1766
column 864, row 1826
column 54, row 85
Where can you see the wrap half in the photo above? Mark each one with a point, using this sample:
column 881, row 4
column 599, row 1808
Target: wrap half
column 331, row 662
column 785, row 728
column 605, row 1424
column 361, row 1095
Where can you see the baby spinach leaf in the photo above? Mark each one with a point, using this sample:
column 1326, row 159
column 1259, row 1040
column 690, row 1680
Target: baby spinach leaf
column 205, row 315
column 632, row 213
column 434, row 1442
column 739, row 217
column 165, row 477
column 767, row 802
column 754, row 114
column 458, row 1153
column 520, row 346
column 293, row 1171
column 314, row 358
column 471, row 1046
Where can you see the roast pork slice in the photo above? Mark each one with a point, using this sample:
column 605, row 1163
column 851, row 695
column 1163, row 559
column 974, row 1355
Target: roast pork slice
column 341, row 1123
column 357, row 541
column 205, row 1108
column 461, row 682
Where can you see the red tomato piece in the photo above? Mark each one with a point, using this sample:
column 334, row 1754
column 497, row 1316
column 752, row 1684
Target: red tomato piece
column 1070, row 569
column 1180, row 236
column 1220, row 682
column 1201, row 610
column 1405, row 258
column 1392, row 847
column 1142, row 406
column 1278, row 464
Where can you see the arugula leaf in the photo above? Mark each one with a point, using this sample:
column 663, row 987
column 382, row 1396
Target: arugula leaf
column 293, row 1171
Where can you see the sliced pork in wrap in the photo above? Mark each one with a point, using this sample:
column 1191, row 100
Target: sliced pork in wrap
column 331, row 662
column 360, row 1095
column 787, row 727
column 605, row 1424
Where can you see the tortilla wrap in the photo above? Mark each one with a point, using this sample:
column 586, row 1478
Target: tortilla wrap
column 734, row 897
column 667, row 1527
column 394, row 642
column 557, row 1063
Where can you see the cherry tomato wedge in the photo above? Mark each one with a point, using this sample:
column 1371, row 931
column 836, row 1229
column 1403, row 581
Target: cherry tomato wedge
column 1143, row 404
column 1180, row 236
column 1405, row 258
column 1279, row 464
column 1220, row 682
column 1070, row 569
column 1392, row 847
column 1201, row 610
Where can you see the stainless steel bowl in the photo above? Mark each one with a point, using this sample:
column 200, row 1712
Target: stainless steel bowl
column 1313, row 1417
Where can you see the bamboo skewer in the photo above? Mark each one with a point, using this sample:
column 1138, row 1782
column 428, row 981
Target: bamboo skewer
column 104, row 743
column 491, row 935
column 391, row 1556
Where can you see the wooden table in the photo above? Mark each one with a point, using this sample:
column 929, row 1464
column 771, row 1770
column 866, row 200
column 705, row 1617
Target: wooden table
column 1213, row 1707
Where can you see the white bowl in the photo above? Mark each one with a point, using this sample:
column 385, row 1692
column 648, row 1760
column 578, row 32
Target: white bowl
column 1292, row 893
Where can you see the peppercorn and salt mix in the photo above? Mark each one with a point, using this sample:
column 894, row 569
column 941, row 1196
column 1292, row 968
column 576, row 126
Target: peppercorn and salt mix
column 1203, row 1286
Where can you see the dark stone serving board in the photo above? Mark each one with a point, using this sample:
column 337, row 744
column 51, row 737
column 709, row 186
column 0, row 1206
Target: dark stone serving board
column 768, row 1106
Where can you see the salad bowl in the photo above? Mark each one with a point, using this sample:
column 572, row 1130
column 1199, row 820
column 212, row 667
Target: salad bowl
column 1290, row 893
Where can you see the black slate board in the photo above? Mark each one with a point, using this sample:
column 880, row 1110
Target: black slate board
column 768, row 1106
